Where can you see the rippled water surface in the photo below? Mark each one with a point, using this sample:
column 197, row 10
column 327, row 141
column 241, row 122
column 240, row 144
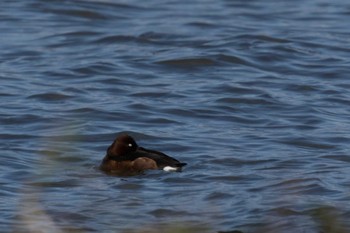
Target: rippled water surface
column 253, row 95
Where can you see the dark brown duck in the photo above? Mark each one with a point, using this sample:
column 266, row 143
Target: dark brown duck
column 124, row 156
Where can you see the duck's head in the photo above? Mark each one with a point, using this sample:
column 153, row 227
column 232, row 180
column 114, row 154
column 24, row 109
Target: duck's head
column 122, row 145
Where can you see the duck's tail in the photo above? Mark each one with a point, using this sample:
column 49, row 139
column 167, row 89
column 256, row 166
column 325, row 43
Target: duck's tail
column 176, row 168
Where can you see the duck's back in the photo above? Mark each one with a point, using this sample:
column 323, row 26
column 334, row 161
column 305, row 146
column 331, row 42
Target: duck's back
column 160, row 158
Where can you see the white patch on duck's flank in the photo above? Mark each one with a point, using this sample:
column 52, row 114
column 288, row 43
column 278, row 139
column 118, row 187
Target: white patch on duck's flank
column 129, row 145
column 170, row 169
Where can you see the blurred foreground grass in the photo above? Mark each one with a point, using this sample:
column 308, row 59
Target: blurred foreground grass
column 326, row 219
column 32, row 216
column 172, row 228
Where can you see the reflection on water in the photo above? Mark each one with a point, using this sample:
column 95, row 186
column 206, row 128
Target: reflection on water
column 252, row 95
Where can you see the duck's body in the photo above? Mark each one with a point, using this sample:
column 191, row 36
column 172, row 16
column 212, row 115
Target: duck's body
column 125, row 156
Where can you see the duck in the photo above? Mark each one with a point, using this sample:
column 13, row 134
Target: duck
column 125, row 157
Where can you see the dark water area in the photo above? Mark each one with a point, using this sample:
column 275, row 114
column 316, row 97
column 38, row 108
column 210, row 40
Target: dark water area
column 253, row 95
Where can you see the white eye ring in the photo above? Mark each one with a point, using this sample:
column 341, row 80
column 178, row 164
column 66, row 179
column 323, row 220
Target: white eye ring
column 130, row 145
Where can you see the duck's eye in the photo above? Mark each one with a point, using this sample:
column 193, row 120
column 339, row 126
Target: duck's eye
column 129, row 145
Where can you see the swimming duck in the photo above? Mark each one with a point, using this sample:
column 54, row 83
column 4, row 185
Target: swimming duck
column 124, row 156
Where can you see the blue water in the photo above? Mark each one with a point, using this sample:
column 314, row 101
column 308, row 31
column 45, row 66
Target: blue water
column 253, row 95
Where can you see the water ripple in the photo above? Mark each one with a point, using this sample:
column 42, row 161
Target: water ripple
column 252, row 95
